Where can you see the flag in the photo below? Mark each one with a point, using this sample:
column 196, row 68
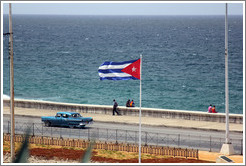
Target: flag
column 120, row 70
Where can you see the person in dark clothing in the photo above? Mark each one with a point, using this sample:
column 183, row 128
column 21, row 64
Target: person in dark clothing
column 128, row 103
column 115, row 108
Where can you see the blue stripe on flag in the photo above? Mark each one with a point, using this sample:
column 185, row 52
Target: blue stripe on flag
column 118, row 63
column 118, row 78
column 110, row 71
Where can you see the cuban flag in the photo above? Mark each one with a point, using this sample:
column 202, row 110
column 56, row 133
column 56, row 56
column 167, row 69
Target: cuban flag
column 120, row 70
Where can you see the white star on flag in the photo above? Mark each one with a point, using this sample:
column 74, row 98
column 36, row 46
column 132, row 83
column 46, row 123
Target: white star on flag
column 134, row 69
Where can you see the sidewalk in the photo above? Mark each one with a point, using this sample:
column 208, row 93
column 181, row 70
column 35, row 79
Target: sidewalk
column 177, row 123
column 212, row 156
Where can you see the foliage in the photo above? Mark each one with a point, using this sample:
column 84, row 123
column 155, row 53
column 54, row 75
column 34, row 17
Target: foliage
column 87, row 156
column 23, row 153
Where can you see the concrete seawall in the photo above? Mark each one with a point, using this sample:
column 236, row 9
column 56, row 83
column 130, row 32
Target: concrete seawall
column 146, row 112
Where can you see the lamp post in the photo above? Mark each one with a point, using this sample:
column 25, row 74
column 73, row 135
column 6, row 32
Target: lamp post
column 227, row 148
column 12, row 134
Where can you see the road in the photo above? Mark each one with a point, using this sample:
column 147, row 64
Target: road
column 164, row 136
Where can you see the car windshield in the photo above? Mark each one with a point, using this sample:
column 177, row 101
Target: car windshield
column 76, row 115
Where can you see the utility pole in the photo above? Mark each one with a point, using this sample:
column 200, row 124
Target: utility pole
column 12, row 136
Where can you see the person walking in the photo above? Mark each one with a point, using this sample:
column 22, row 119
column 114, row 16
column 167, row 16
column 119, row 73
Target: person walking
column 115, row 108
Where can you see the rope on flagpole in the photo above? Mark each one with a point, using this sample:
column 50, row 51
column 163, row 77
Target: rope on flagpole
column 140, row 111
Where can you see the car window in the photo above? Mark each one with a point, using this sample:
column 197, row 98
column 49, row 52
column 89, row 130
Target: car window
column 65, row 116
column 58, row 115
column 76, row 115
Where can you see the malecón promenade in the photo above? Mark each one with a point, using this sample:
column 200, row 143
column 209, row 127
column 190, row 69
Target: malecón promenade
column 151, row 117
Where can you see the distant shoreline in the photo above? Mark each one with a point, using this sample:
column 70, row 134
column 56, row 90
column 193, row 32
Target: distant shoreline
column 125, row 15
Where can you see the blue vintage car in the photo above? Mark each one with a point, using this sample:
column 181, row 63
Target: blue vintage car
column 69, row 119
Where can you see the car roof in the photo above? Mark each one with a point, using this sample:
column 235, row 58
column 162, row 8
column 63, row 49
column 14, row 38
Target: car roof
column 69, row 113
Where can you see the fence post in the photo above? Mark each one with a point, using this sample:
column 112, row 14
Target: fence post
column 42, row 129
column 107, row 134
column 186, row 151
column 88, row 134
column 167, row 139
column 60, row 133
column 145, row 138
column 126, row 137
column 241, row 146
column 199, row 141
column 189, row 140
column 210, row 144
column 33, row 129
column 178, row 140
column 116, row 135
column 197, row 153
column 98, row 133
column 8, row 127
column 135, row 137
column 157, row 139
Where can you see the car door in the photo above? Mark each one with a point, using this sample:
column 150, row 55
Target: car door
column 64, row 120
column 58, row 119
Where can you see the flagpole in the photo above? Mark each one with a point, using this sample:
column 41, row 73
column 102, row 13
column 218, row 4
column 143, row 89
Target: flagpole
column 140, row 111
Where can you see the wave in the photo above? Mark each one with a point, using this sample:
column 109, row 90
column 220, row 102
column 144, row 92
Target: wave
column 65, row 52
column 6, row 97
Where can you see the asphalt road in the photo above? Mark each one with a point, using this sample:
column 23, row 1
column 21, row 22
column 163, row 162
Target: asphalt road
column 165, row 136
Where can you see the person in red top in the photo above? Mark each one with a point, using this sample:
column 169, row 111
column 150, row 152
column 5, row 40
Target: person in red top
column 213, row 109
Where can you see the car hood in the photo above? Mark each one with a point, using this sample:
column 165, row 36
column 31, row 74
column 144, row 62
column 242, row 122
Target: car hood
column 87, row 118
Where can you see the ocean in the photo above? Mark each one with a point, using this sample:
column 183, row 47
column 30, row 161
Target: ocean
column 56, row 58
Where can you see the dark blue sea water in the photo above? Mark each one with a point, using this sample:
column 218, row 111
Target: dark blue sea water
column 56, row 58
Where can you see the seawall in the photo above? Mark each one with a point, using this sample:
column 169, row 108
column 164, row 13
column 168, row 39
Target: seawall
column 146, row 112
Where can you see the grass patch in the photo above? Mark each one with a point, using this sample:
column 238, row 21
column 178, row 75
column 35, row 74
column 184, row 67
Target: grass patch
column 116, row 154
column 6, row 146
column 119, row 155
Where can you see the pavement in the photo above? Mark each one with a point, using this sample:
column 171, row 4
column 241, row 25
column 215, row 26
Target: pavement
column 151, row 121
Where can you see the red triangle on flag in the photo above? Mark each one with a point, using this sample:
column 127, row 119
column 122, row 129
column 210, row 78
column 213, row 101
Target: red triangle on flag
column 133, row 69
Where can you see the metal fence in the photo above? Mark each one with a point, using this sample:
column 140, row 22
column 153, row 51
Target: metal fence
column 201, row 142
column 150, row 149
